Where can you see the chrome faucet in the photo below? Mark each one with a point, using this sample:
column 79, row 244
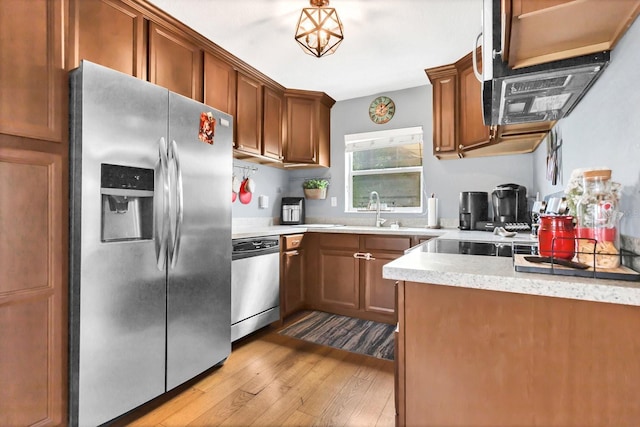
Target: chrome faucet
column 379, row 221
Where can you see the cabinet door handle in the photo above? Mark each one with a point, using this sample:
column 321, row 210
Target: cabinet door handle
column 365, row 256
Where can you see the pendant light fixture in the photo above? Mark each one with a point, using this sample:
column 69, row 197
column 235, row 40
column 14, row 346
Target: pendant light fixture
column 319, row 29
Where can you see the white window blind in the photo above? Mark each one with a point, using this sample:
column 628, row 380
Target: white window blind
column 388, row 162
column 382, row 139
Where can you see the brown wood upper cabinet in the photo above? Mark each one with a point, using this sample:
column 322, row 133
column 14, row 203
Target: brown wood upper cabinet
column 458, row 126
column 175, row 62
column 248, row 125
column 529, row 40
column 109, row 33
column 445, row 82
column 219, row 84
column 32, row 68
column 118, row 35
column 457, row 110
column 308, row 127
column 272, row 123
column 259, row 120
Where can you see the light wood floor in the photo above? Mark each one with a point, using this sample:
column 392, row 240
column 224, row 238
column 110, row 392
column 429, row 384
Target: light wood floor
column 274, row 380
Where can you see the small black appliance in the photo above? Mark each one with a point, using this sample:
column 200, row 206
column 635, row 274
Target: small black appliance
column 292, row 211
column 509, row 202
column 534, row 93
column 474, row 207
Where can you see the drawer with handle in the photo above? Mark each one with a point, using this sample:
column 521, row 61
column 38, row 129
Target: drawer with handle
column 292, row 241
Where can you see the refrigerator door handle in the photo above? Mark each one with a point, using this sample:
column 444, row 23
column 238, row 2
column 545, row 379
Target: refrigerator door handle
column 161, row 205
column 179, row 203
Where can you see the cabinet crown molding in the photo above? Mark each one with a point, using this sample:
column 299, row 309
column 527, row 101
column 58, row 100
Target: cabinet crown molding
column 320, row 96
column 441, row 71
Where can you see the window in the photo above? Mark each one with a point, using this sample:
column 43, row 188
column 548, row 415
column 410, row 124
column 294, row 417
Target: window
column 388, row 162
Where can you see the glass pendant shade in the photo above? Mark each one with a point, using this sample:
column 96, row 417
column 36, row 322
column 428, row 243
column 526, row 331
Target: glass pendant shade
column 319, row 30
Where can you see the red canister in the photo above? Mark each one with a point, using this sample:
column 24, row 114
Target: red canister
column 556, row 237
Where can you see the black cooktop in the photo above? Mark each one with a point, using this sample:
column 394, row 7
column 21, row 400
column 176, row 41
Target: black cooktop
column 465, row 247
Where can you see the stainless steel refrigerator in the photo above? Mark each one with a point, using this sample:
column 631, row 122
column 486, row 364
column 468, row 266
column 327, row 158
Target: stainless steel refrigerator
column 150, row 241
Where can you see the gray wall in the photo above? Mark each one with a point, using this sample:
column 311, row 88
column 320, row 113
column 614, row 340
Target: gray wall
column 271, row 182
column 604, row 130
column 445, row 178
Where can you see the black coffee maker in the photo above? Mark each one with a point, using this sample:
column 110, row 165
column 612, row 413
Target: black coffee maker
column 509, row 202
column 474, row 207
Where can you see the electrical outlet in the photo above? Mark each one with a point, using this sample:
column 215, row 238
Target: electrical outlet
column 334, row 202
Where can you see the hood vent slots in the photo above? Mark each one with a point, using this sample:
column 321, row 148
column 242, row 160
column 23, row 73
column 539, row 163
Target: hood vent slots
column 537, row 85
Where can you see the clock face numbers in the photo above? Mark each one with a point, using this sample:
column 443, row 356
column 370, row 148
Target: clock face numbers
column 382, row 110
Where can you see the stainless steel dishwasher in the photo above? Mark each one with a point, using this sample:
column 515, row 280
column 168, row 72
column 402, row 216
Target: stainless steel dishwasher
column 255, row 284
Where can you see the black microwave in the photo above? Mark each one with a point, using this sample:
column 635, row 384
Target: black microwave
column 543, row 92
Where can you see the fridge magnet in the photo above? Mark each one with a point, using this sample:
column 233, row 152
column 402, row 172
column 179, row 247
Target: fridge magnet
column 207, row 128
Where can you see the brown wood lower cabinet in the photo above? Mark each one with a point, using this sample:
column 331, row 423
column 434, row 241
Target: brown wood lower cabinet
column 33, row 286
column 339, row 282
column 484, row 358
column 337, row 278
column 379, row 293
column 292, row 274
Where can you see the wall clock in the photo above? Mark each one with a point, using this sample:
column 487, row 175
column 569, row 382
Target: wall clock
column 381, row 110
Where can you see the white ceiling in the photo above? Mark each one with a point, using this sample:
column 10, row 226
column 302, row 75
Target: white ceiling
column 387, row 43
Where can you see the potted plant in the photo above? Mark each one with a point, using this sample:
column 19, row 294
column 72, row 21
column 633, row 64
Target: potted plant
column 315, row 188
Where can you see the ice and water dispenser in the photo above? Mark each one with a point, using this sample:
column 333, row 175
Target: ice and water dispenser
column 127, row 203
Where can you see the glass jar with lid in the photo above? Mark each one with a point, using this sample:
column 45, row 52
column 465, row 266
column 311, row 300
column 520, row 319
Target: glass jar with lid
column 598, row 217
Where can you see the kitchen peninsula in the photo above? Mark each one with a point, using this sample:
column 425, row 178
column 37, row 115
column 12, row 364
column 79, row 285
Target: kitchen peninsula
column 481, row 344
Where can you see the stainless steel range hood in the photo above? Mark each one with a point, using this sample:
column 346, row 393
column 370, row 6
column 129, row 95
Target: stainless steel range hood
column 542, row 92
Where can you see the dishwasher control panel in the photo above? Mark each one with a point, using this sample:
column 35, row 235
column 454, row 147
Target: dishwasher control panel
column 255, row 246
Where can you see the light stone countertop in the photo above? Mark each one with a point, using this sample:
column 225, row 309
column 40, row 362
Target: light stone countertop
column 266, row 230
column 259, row 230
column 468, row 271
column 498, row 274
